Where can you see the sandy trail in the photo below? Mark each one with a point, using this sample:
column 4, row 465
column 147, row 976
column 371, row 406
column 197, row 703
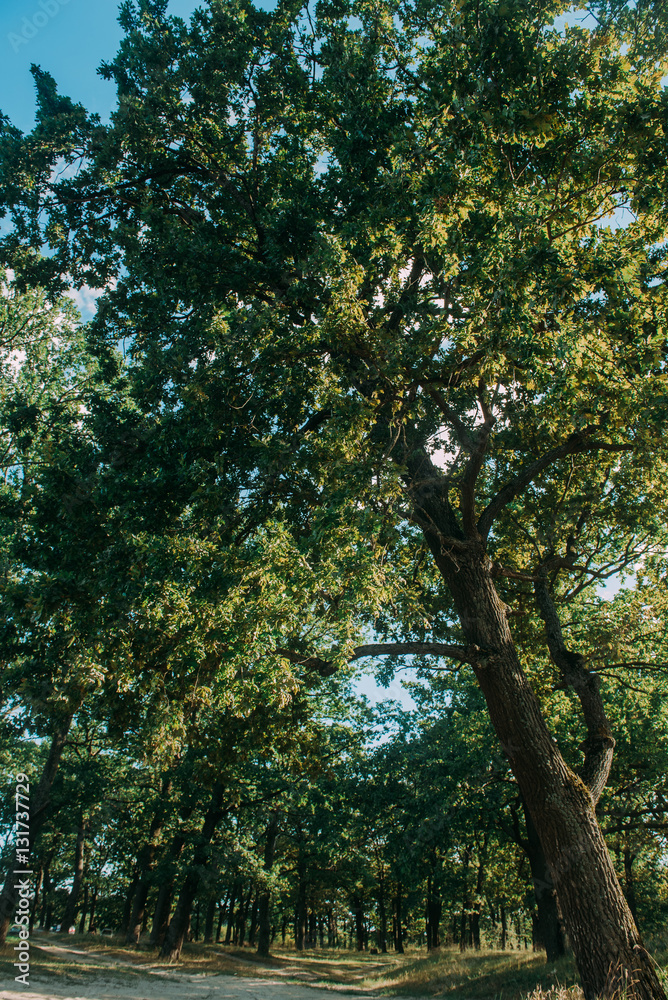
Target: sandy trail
column 162, row 984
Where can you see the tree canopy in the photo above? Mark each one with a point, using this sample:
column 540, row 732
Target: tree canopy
column 379, row 368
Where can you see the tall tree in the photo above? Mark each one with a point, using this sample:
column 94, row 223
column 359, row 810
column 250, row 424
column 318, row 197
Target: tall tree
column 368, row 247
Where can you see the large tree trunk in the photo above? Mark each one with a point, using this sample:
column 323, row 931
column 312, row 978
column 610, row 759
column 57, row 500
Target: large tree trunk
column 605, row 940
column 264, row 907
column 178, row 925
column 39, row 804
column 69, row 916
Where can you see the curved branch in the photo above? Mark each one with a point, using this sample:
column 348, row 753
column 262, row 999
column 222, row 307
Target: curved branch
column 326, row 668
column 578, row 442
column 599, row 744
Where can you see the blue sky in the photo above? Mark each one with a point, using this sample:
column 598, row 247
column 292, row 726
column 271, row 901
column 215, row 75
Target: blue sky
column 69, row 39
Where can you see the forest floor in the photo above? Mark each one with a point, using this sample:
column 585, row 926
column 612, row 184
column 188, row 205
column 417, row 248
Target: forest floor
column 93, row 968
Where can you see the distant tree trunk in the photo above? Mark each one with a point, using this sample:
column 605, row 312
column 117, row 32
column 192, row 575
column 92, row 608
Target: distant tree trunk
column 84, row 910
column 264, row 903
column 230, row 916
column 244, row 906
column 221, row 918
column 40, row 800
column 300, row 909
column 433, row 915
column 474, row 920
column 35, row 903
column 504, row 928
column 466, row 900
column 547, row 927
column 129, row 896
column 382, row 916
column 91, row 920
column 45, row 897
column 399, row 933
column 178, row 925
column 79, row 861
column 358, row 910
column 253, row 922
column 163, row 903
column 629, row 886
column 145, row 863
column 209, row 920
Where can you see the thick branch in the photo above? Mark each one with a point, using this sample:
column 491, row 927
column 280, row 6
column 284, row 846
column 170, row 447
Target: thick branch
column 581, row 441
column 599, row 745
column 326, row 668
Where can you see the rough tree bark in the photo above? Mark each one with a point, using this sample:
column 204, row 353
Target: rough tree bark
column 608, row 950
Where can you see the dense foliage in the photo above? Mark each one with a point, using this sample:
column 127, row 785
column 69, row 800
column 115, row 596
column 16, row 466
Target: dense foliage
column 378, row 370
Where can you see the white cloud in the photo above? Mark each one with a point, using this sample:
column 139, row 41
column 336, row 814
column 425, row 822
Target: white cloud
column 85, row 299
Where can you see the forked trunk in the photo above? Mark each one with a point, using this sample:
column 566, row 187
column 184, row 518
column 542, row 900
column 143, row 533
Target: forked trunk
column 608, row 950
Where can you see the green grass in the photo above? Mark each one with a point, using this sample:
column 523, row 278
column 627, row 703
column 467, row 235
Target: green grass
column 483, row 975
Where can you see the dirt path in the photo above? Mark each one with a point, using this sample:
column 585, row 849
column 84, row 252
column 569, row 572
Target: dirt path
column 146, row 983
